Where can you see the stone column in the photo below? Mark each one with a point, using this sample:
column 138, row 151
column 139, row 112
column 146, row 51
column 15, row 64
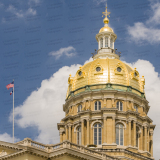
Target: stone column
column 129, row 132
column 113, row 105
column 104, row 102
column 66, row 132
column 82, row 129
column 114, row 139
column 105, row 129
column 99, row 44
column 103, row 41
column 61, row 137
column 88, row 132
column 108, row 41
column 148, row 140
column 134, row 133
column 141, row 139
column 151, row 139
column 145, row 138
column 70, row 133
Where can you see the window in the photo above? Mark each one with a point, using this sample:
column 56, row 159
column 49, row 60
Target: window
column 98, row 69
column 101, row 43
column 111, row 43
column 79, row 135
column 80, row 108
column 119, row 134
column 137, row 136
column 106, row 41
column 119, row 69
column 97, row 134
column 120, row 106
column 79, row 73
column 97, row 105
column 135, row 74
column 136, row 108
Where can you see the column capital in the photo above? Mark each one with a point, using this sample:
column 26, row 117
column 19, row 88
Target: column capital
column 87, row 119
column 69, row 125
column 151, row 133
column 104, row 117
column 113, row 117
column 134, row 121
column 82, row 120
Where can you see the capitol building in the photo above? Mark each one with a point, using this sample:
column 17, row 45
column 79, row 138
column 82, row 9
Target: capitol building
column 105, row 113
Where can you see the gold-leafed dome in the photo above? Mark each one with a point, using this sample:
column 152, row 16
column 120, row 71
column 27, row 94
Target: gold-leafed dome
column 106, row 29
column 106, row 71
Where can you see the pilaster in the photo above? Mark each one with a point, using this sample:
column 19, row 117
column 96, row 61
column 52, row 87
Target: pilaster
column 129, row 132
column 82, row 129
column 134, row 133
column 88, row 131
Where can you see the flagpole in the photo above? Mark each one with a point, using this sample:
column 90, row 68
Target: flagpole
column 13, row 112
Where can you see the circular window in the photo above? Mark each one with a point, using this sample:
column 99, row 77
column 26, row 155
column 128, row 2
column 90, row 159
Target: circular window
column 79, row 73
column 135, row 74
column 119, row 69
column 98, row 69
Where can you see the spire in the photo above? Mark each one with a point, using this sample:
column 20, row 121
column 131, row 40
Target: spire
column 106, row 13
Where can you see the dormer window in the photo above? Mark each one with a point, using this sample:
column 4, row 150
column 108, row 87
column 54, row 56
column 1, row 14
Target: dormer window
column 101, row 43
column 106, row 41
column 80, row 108
column 136, row 108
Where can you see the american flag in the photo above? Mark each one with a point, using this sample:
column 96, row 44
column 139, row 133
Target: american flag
column 11, row 92
column 11, row 85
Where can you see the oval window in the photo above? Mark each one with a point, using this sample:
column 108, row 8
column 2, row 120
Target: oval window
column 119, row 69
column 135, row 74
column 98, row 69
column 79, row 73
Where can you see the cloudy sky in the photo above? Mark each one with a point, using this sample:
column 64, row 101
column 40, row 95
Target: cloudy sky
column 42, row 42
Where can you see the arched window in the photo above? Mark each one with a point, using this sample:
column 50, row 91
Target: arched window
column 79, row 135
column 111, row 43
column 119, row 134
column 101, row 43
column 137, row 136
column 136, row 108
column 120, row 106
column 97, row 105
column 80, row 108
column 97, row 134
column 106, row 41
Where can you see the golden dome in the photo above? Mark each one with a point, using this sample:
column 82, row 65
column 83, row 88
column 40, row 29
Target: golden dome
column 106, row 28
column 106, row 71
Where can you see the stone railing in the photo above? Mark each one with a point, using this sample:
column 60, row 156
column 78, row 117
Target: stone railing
column 65, row 144
column 46, row 147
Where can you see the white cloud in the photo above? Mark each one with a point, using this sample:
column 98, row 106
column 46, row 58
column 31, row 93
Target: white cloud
column 43, row 108
column 68, row 51
column 148, row 31
column 7, row 138
column 152, row 91
column 21, row 13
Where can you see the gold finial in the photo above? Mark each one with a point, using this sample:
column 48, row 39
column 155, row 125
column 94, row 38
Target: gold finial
column 106, row 20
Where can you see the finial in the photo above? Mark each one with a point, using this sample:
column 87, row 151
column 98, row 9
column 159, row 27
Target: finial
column 106, row 20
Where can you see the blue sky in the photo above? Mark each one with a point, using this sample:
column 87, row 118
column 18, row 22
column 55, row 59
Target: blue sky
column 39, row 39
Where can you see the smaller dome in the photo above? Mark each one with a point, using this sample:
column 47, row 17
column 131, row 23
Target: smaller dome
column 106, row 20
column 106, row 29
